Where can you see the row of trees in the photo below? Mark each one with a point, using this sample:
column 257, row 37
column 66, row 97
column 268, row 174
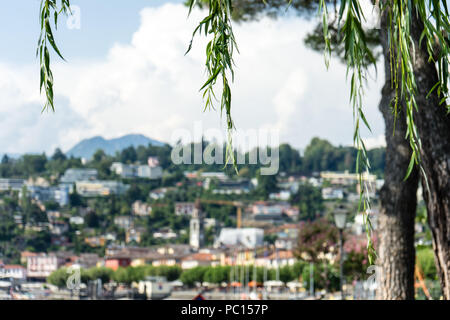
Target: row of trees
column 319, row 155
column 214, row 275
column 121, row 275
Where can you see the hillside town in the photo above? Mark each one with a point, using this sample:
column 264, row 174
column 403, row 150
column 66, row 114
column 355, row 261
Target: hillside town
column 132, row 217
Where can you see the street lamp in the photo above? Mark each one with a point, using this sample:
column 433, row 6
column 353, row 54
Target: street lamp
column 340, row 217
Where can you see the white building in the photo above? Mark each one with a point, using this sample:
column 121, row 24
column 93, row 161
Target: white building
column 59, row 227
column 204, row 259
column 76, row 220
column 332, row 193
column 140, row 208
column 100, row 188
column 184, row 208
column 13, row 271
column 122, row 169
column 151, row 170
column 11, row 184
column 44, row 194
column 42, row 265
column 346, row 178
column 165, row 234
column 209, row 223
column 196, row 228
column 280, row 259
column 217, row 175
column 73, row 175
column 263, row 210
column 124, row 222
column 248, row 237
column 159, row 193
column 284, row 195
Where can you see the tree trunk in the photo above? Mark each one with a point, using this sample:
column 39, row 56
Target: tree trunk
column 433, row 126
column 396, row 253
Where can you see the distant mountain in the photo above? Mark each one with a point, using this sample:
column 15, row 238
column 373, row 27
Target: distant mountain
column 87, row 147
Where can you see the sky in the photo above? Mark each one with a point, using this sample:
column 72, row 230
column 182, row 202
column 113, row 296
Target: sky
column 127, row 72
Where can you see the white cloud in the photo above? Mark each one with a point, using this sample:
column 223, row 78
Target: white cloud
column 149, row 86
column 375, row 142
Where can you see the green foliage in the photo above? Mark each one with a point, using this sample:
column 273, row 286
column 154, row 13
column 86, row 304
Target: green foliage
column 134, row 193
column 219, row 274
column 58, row 278
column 426, row 261
column 357, row 53
column 309, row 201
column 105, row 274
column 403, row 18
column 122, row 275
column 75, row 200
column 319, row 155
column 92, row 220
column 190, row 276
column 270, row 238
column 38, row 241
column 34, row 164
column 325, row 277
column 290, row 160
column 128, row 155
column 266, row 184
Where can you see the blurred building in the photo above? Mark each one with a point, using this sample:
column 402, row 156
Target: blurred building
column 58, row 194
column 73, row 175
column 16, row 272
column 247, row 237
column 41, row 265
column 11, row 184
column 97, row 188
column 140, row 208
column 124, row 222
column 196, row 228
column 151, row 170
column 184, row 208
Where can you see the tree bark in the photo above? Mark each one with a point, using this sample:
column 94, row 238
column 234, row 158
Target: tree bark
column 433, row 126
column 396, row 253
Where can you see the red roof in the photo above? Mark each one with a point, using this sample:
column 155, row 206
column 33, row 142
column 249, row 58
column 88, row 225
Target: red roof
column 28, row 254
column 14, row 266
column 200, row 257
column 282, row 255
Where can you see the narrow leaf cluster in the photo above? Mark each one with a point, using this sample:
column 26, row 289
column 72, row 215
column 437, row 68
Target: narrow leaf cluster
column 49, row 13
column 433, row 16
column 219, row 59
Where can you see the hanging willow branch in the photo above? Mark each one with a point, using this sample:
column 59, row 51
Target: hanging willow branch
column 434, row 17
column 433, row 14
column 49, row 11
column 358, row 57
column 219, row 60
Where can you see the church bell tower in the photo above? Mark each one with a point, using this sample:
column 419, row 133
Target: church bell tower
column 196, row 227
